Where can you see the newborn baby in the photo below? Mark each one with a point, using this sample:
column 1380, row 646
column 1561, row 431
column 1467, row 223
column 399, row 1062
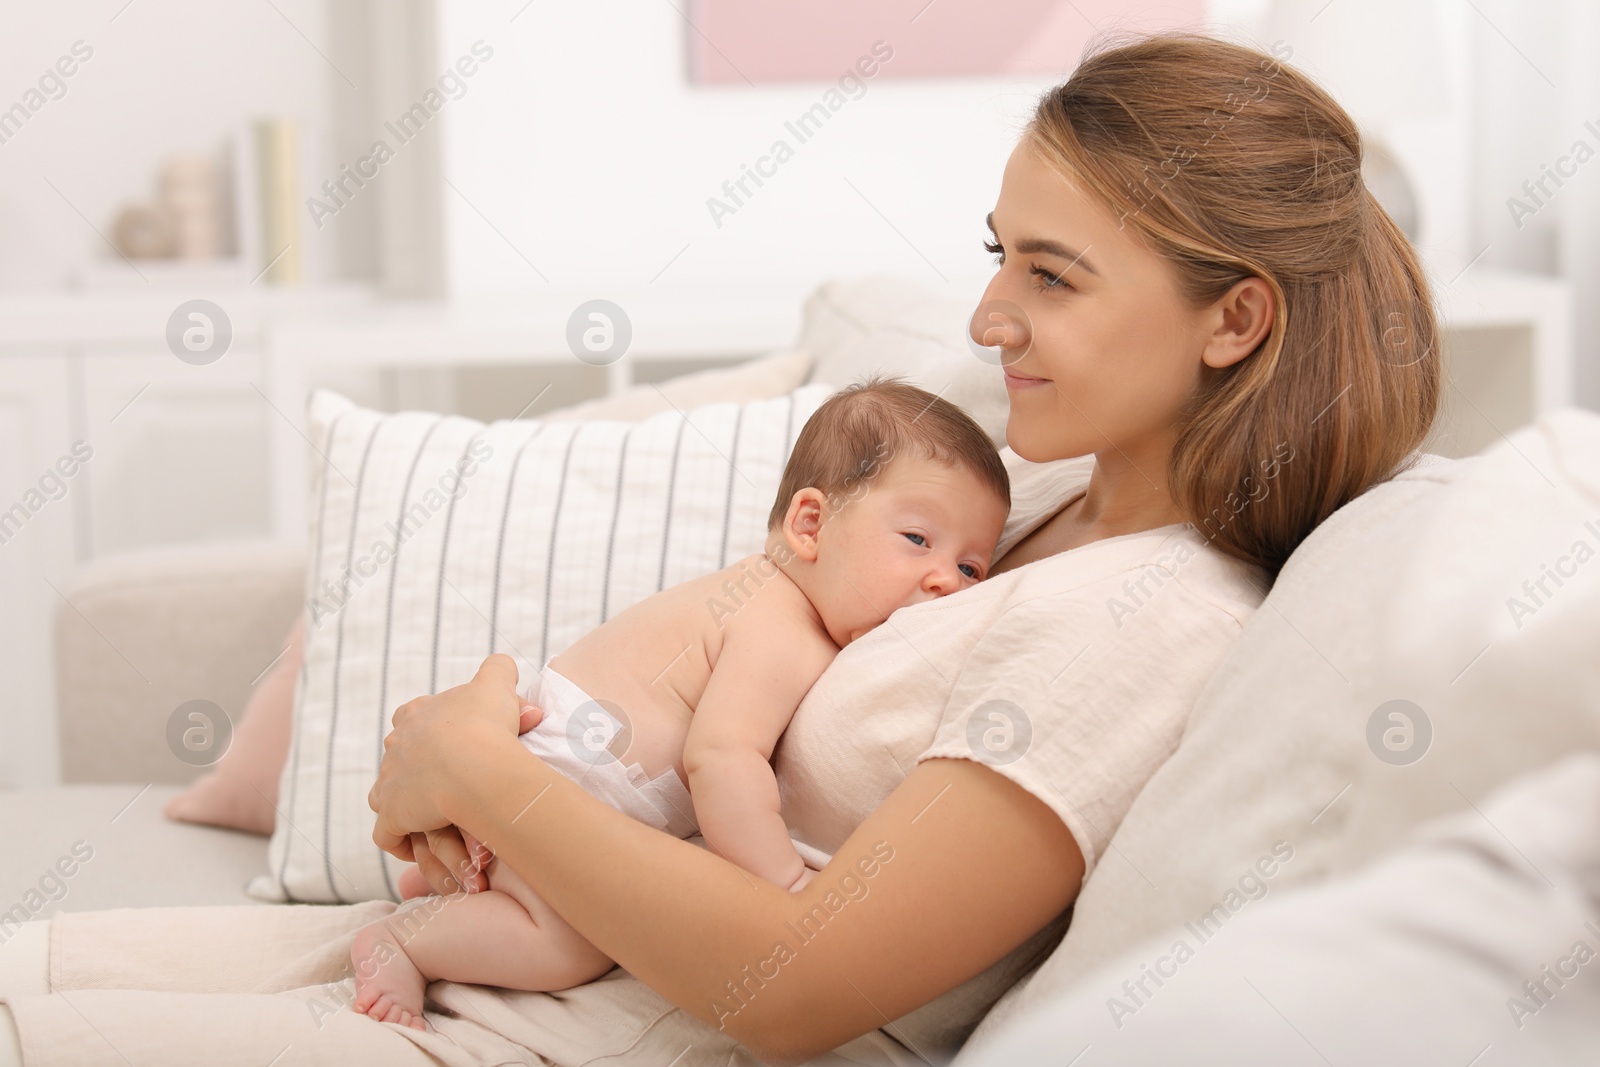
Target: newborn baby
column 670, row 710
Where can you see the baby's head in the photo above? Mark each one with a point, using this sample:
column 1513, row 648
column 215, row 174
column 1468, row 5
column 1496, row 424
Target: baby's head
column 892, row 496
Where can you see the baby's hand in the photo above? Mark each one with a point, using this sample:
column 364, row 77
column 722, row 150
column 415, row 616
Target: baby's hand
column 478, row 857
column 436, row 871
column 806, row 874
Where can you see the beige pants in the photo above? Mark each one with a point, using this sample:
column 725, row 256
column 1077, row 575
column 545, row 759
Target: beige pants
column 250, row 985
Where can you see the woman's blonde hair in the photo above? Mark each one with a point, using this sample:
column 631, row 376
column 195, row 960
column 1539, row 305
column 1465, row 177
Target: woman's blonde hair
column 1232, row 164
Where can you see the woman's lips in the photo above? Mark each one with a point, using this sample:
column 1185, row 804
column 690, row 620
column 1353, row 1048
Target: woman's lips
column 1022, row 381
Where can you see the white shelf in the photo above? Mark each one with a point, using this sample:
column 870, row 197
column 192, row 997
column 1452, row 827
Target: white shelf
column 136, row 318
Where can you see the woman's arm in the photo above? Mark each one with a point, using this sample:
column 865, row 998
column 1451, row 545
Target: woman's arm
column 955, row 869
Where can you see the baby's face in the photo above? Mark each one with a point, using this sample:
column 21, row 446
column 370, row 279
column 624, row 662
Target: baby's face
column 921, row 530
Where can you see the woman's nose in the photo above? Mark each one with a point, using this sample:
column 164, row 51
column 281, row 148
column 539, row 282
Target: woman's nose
column 998, row 323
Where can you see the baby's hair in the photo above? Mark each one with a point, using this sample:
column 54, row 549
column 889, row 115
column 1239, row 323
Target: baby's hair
column 858, row 431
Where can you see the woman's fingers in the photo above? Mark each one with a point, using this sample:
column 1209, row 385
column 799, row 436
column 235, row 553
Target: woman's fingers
column 395, row 842
column 399, row 847
column 432, row 739
column 499, row 670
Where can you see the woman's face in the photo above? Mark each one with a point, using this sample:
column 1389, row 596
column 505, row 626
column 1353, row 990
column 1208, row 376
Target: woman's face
column 1099, row 349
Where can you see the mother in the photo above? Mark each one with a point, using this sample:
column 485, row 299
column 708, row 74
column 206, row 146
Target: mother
column 1196, row 289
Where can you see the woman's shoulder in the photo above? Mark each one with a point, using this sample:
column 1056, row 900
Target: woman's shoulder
column 1178, row 553
column 1173, row 569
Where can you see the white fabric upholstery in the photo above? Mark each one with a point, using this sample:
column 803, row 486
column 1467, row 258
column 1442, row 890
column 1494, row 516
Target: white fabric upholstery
column 439, row 540
column 1476, row 942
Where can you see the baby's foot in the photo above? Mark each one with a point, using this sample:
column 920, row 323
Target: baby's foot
column 412, row 884
column 389, row 987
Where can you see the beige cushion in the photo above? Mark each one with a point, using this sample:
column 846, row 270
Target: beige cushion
column 241, row 790
column 758, row 379
column 892, row 326
column 1402, row 594
column 150, row 630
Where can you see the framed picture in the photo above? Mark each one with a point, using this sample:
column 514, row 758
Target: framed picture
column 752, row 42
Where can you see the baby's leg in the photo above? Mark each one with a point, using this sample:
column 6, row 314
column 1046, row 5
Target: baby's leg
column 500, row 938
column 557, row 956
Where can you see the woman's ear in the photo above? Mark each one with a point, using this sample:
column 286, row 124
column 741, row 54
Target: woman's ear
column 1240, row 321
column 803, row 522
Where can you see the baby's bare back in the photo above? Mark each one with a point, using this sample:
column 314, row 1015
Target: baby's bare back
column 653, row 660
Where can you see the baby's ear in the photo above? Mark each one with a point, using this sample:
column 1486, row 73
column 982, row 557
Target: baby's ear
column 802, row 523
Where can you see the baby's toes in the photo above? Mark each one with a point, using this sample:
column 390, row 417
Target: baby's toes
column 415, row 1022
column 413, row 884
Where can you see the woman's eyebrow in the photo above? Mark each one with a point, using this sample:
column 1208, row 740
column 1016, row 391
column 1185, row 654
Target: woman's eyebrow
column 1027, row 245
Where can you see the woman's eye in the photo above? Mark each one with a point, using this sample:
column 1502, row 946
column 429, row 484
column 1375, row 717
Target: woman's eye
column 916, row 538
column 1051, row 281
column 970, row 571
column 1048, row 279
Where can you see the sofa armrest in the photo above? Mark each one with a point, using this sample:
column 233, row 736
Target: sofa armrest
column 146, row 631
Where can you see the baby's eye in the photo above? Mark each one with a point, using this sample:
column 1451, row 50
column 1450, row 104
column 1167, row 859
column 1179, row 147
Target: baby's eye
column 916, row 538
column 970, row 571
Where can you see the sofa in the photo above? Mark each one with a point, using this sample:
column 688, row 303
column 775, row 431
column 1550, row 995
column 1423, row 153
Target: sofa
column 1399, row 604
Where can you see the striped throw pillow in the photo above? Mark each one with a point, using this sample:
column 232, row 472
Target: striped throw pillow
column 436, row 540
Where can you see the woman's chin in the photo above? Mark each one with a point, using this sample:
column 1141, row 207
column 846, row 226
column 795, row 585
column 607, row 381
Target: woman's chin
column 1039, row 447
column 1023, row 443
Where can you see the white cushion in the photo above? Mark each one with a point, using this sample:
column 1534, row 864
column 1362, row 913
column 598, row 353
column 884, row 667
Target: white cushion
column 523, row 536
column 1421, row 958
column 891, row 326
column 1400, row 595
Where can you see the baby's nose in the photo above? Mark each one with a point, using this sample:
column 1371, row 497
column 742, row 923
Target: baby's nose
column 942, row 582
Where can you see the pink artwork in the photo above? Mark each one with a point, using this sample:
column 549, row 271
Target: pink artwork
column 754, row 41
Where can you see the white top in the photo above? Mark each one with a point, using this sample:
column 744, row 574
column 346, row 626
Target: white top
column 1097, row 653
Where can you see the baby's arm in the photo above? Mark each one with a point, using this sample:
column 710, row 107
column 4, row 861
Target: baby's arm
column 761, row 675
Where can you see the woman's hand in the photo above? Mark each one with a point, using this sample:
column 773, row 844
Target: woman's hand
column 435, row 740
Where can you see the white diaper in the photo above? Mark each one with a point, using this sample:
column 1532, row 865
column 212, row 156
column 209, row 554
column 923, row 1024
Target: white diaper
column 573, row 737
